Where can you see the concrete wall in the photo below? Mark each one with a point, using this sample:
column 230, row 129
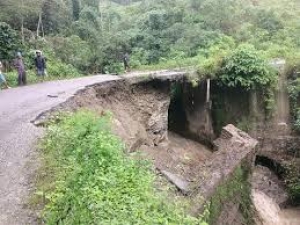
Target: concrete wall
column 223, row 179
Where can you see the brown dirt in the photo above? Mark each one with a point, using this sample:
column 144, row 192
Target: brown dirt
column 181, row 156
column 140, row 119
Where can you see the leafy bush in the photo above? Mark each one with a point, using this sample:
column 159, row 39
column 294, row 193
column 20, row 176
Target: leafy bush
column 292, row 180
column 72, row 50
column 294, row 93
column 246, row 68
column 9, row 41
column 61, row 70
column 114, row 68
column 297, row 120
column 90, row 180
column 268, row 20
column 212, row 58
column 12, row 78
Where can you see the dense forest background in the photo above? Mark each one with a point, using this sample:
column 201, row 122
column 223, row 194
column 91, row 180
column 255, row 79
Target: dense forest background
column 90, row 36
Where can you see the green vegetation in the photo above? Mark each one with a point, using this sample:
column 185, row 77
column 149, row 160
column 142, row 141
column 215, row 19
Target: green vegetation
column 8, row 41
column 87, row 179
column 245, row 68
column 92, row 35
column 294, row 92
column 231, row 41
column 245, row 124
column 292, row 179
column 236, row 190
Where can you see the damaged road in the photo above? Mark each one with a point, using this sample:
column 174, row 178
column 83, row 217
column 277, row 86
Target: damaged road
column 18, row 136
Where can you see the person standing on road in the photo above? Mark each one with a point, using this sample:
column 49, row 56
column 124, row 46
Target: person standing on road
column 40, row 64
column 126, row 62
column 19, row 65
column 2, row 78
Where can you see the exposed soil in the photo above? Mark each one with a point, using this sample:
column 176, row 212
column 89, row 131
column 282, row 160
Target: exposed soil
column 140, row 119
column 181, row 156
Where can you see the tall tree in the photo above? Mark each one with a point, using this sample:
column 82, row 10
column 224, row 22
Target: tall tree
column 9, row 41
column 76, row 9
column 55, row 15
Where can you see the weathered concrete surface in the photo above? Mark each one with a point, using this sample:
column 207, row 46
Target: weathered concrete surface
column 281, row 148
column 232, row 147
column 198, row 112
column 269, row 212
column 178, row 181
column 18, row 106
column 235, row 149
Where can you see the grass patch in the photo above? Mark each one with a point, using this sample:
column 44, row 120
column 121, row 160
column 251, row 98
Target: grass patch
column 32, row 78
column 236, row 189
column 87, row 179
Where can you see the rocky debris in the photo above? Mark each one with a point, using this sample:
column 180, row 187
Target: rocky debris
column 178, row 181
column 181, row 156
column 267, row 209
column 266, row 181
column 157, row 124
column 269, row 213
column 232, row 136
column 281, row 148
column 52, row 96
column 43, row 120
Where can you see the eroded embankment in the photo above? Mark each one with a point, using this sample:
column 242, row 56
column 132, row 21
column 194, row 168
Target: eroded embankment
column 141, row 116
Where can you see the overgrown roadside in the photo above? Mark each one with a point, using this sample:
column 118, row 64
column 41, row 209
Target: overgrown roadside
column 86, row 178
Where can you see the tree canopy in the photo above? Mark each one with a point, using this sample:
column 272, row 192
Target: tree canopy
column 155, row 31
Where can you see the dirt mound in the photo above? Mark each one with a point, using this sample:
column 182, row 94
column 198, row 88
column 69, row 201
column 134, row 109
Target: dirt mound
column 181, row 156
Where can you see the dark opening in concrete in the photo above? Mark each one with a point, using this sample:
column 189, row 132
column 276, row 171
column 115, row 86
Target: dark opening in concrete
column 177, row 118
column 229, row 106
column 188, row 114
column 273, row 165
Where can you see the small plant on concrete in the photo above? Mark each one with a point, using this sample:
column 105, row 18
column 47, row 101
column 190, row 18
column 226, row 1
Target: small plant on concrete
column 246, row 68
column 292, row 180
column 294, row 92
